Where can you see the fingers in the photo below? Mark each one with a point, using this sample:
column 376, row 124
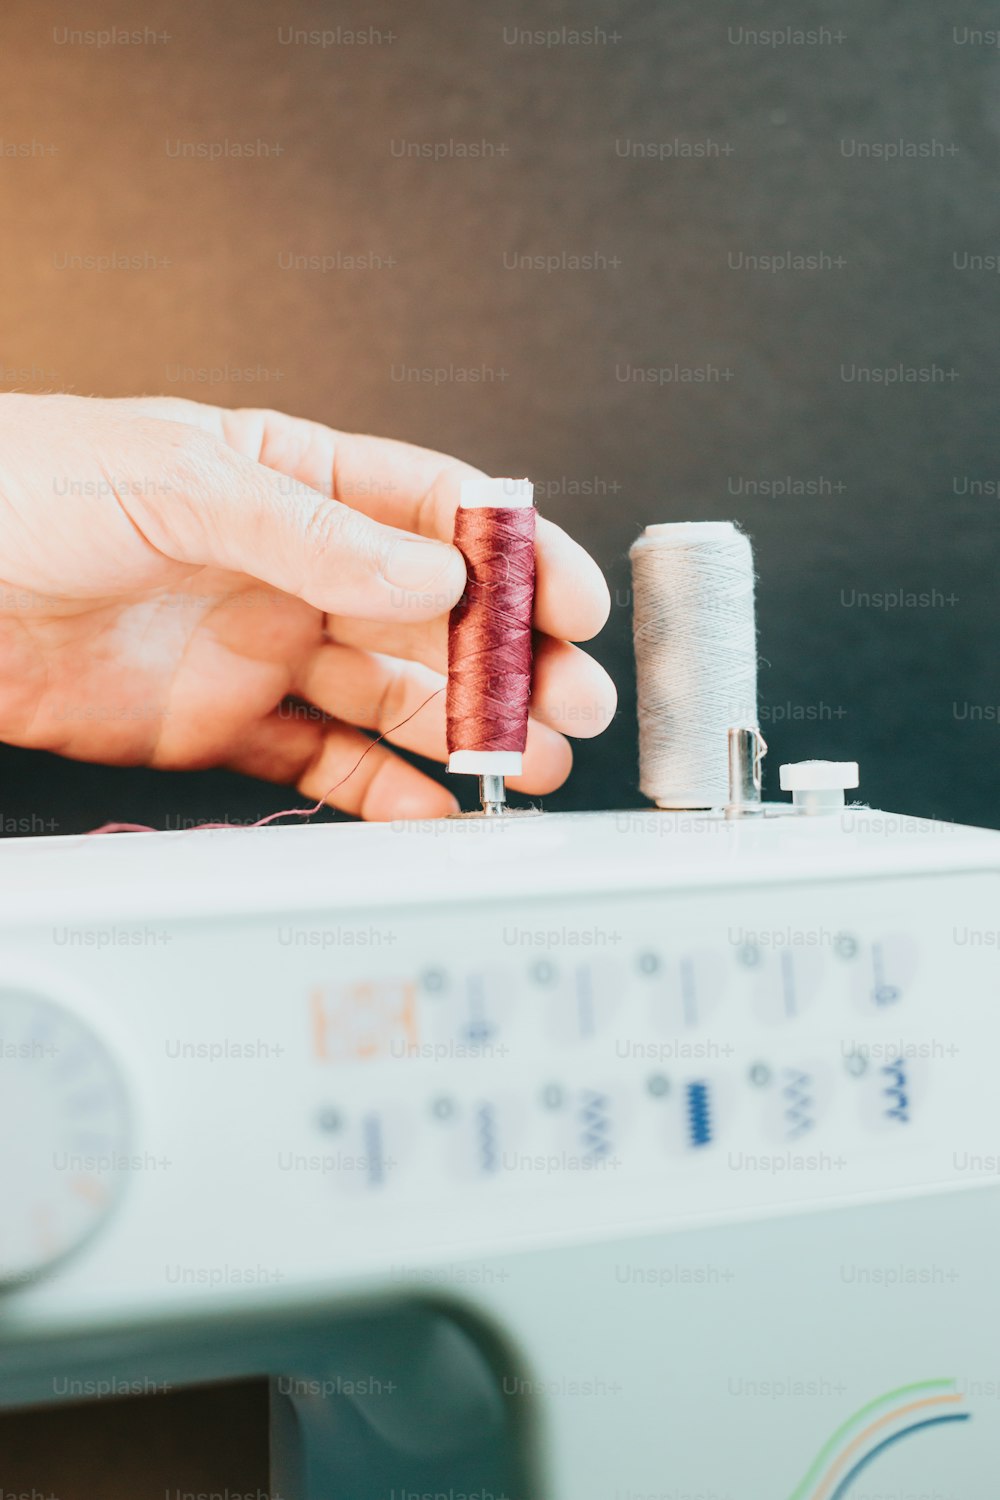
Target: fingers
column 399, row 485
column 222, row 509
column 342, row 767
column 418, row 489
column 406, row 702
column 570, row 692
column 572, row 600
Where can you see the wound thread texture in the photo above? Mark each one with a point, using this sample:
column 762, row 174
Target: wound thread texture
column 695, row 656
column 489, row 636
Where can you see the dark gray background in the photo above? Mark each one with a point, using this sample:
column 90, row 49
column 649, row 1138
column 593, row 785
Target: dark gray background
column 910, row 692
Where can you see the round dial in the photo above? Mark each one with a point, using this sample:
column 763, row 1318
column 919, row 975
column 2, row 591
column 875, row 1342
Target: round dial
column 64, row 1133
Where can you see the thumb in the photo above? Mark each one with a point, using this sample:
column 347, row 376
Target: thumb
column 227, row 511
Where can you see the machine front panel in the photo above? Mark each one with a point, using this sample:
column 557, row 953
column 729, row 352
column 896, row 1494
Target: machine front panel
column 237, row 1109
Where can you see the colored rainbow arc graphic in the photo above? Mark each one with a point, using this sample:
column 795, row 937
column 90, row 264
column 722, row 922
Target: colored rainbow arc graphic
column 929, row 1403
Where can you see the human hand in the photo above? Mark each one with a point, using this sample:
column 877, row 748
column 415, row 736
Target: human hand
column 173, row 574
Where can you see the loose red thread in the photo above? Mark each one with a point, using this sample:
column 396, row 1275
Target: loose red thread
column 489, row 635
column 288, row 812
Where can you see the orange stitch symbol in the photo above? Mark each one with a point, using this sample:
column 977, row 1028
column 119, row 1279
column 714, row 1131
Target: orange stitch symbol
column 360, row 1021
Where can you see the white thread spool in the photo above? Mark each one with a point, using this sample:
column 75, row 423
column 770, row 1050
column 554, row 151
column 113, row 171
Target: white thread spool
column 695, row 656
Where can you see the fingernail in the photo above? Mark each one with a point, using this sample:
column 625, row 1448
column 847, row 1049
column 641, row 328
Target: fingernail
column 415, row 565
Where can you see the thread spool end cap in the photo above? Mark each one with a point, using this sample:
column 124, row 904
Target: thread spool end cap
column 496, row 494
column 485, row 762
column 819, row 775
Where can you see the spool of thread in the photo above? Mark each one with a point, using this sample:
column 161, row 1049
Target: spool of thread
column 489, row 635
column 695, row 655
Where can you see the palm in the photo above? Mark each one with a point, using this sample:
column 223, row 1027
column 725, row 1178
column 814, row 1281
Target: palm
column 175, row 677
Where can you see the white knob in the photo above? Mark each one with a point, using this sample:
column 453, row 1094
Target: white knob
column 64, row 1134
column 817, row 786
column 819, row 775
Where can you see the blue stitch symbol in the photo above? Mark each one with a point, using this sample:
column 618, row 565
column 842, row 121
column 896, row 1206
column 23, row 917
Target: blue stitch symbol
column 486, row 1131
column 883, row 993
column 595, row 1119
column 699, row 1114
column 799, row 1108
column 375, row 1161
column 895, row 1073
column 478, row 1028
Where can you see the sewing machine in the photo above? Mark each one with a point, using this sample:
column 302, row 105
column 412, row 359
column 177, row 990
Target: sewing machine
column 551, row 1157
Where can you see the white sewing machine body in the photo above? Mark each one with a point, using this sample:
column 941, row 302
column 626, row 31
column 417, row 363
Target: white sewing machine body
column 578, row 1092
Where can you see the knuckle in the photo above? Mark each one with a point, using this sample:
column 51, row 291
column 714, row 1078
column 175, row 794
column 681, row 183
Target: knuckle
column 331, row 526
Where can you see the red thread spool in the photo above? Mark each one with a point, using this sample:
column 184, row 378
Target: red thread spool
column 489, row 637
